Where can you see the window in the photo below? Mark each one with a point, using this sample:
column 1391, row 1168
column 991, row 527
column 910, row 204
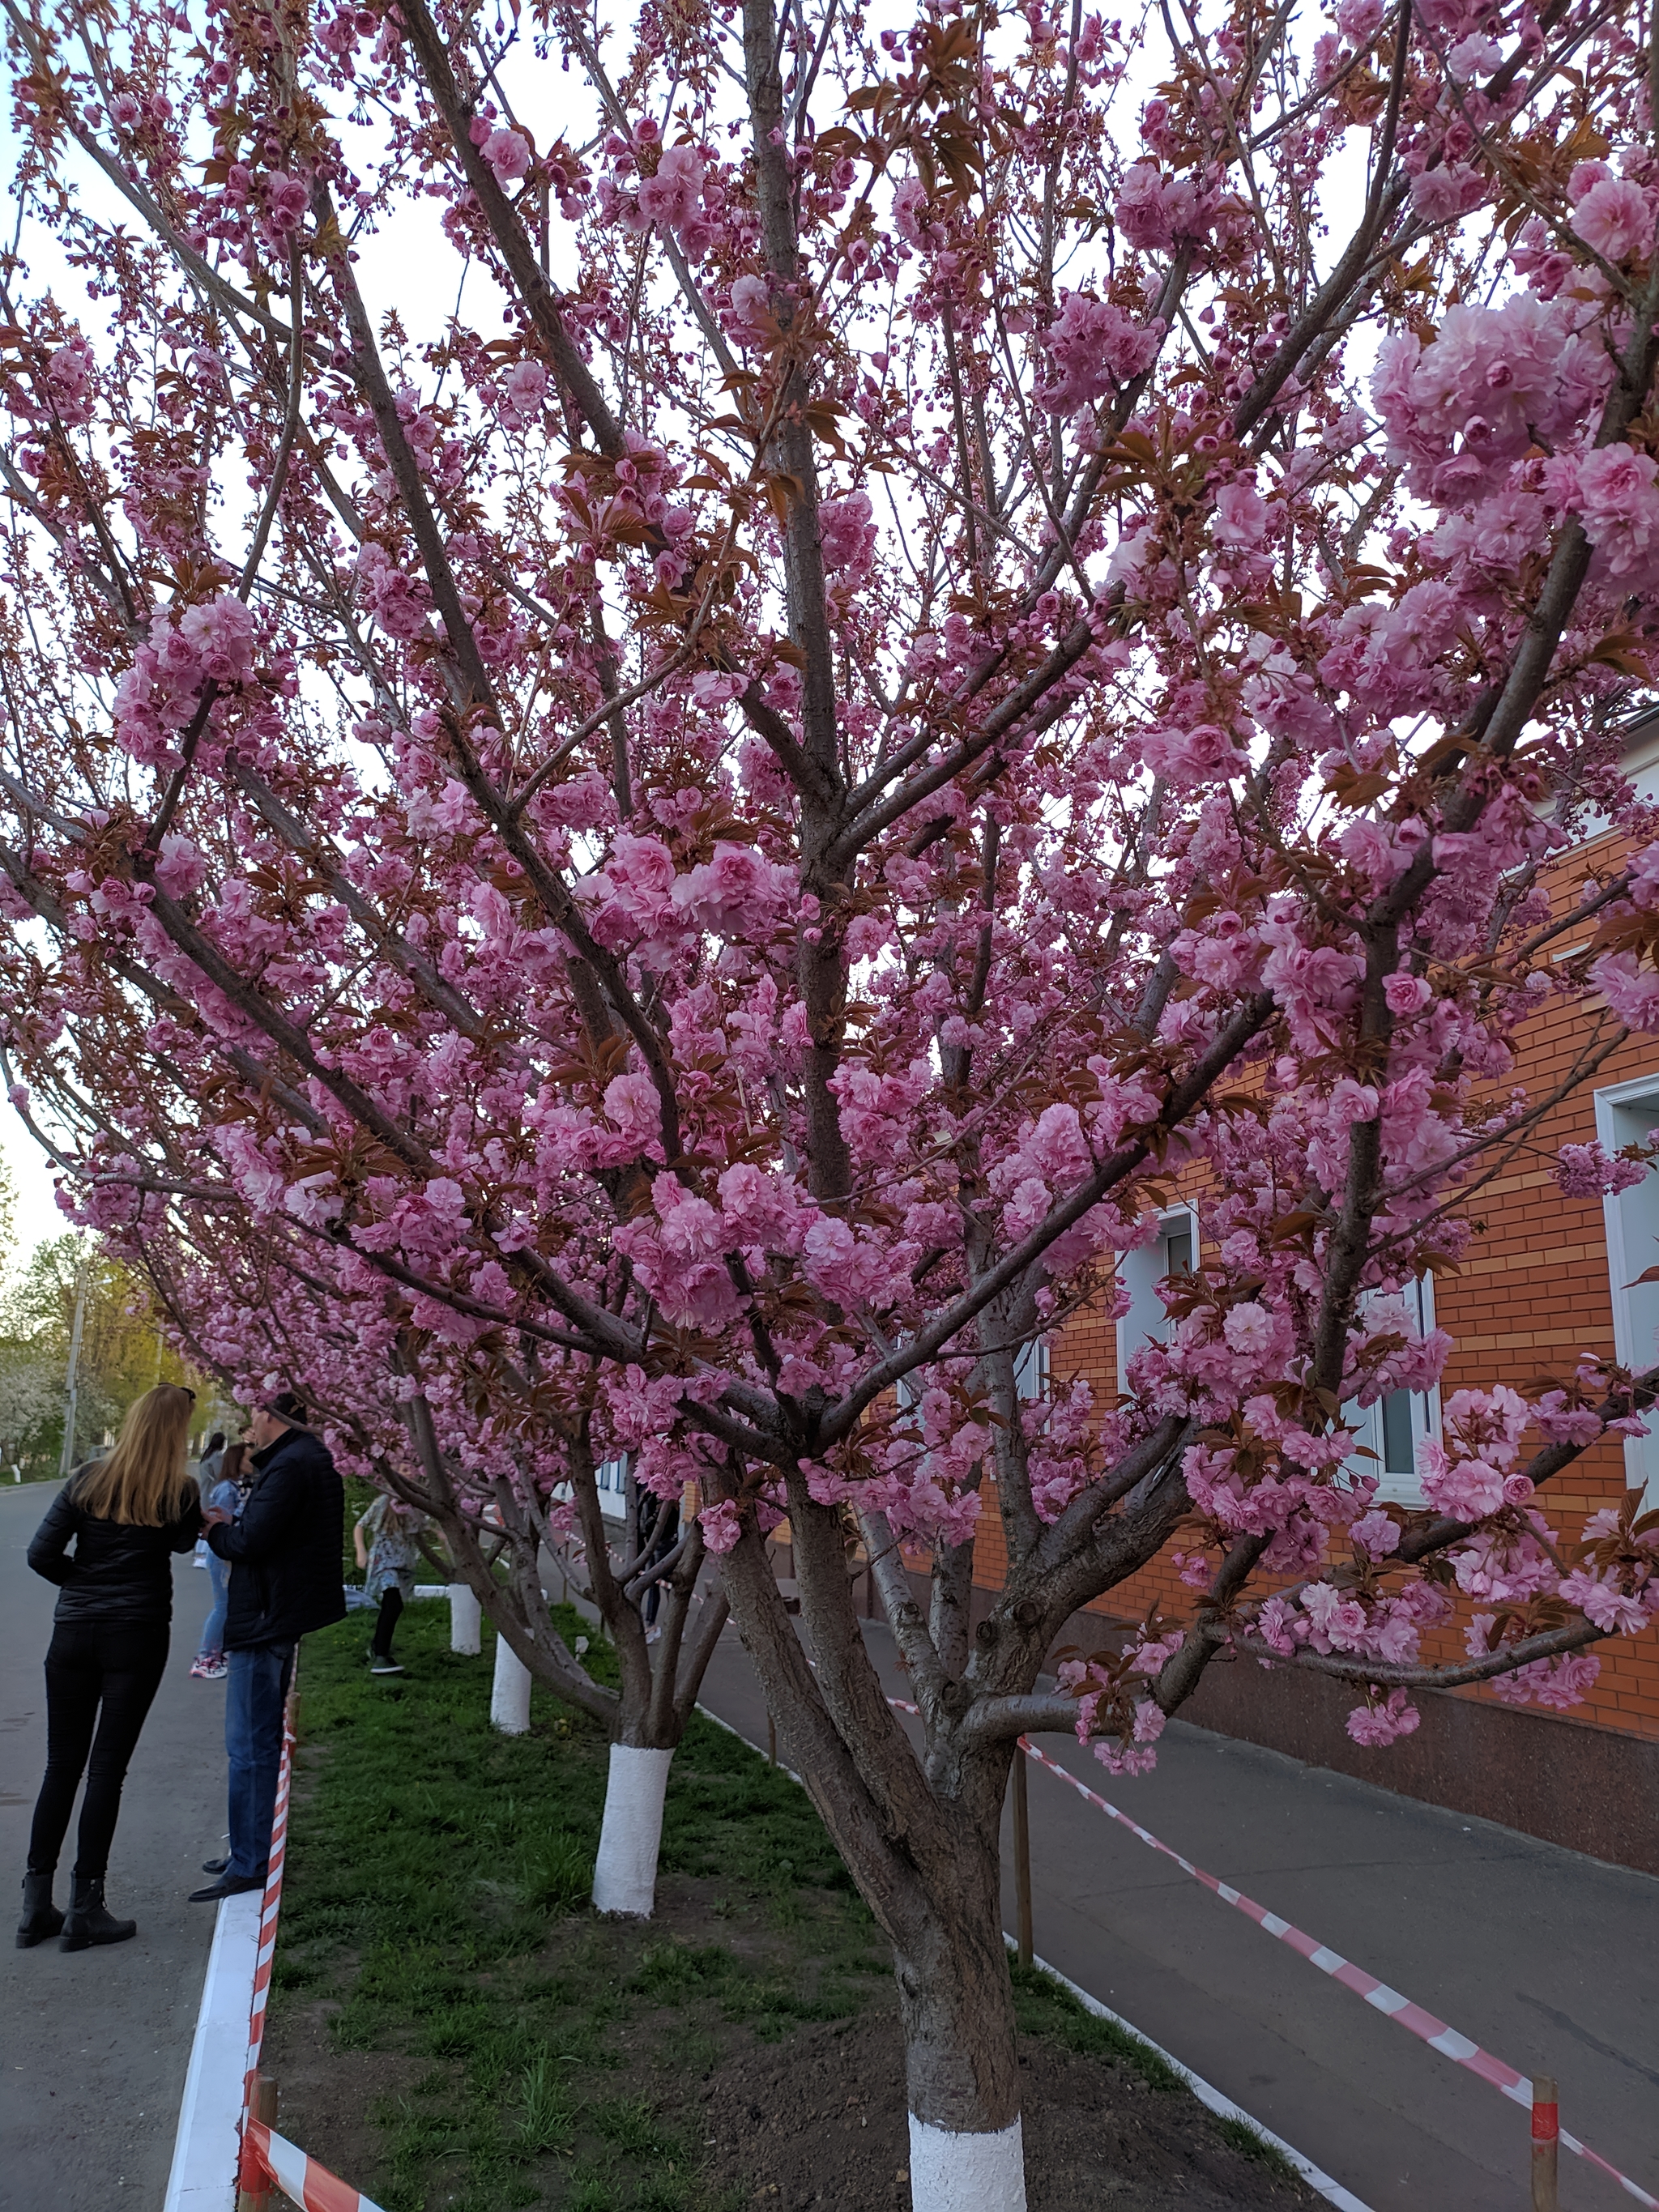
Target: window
column 1628, row 1114
column 1395, row 1427
column 1031, row 1369
column 611, row 1476
column 1173, row 1251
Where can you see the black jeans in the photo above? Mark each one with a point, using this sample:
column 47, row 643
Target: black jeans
column 103, row 1674
column 392, row 1606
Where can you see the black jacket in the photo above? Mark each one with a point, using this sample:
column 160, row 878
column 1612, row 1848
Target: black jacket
column 284, row 1551
column 119, row 1571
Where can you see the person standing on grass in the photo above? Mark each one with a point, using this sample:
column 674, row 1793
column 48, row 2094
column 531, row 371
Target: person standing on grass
column 125, row 1516
column 225, row 1497
column 387, row 1542
column 285, row 1579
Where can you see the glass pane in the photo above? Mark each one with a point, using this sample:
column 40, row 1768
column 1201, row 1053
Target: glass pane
column 1178, row 1252
column 1398, row 1457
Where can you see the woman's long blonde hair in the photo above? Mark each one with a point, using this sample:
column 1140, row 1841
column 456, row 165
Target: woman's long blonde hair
column 144, row 1480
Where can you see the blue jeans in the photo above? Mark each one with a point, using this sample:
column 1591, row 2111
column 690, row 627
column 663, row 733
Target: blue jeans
column 213, row 1634
column 255, row 1694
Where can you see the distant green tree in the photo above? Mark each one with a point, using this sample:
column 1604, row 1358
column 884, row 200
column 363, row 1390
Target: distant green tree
column 122, row 1352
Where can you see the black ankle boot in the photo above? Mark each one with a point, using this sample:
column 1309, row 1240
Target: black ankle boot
column 86, row 1921
column 41, row 1917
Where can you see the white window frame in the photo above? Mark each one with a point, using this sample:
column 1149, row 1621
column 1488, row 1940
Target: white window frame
column 1031, row 1369
column 1625, row 1113
column 1400, row 1487
column 611, row 1480
column 1147, row 1321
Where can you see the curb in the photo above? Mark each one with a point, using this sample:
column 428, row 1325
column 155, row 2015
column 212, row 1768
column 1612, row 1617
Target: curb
column 209, row 2141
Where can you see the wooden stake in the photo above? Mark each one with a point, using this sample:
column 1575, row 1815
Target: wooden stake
column 1022, row 1858
column 262, row 2107
column 771, row 1741
column 1545, row 2143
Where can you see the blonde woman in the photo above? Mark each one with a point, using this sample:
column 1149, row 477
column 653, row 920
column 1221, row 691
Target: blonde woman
column 125, row 1516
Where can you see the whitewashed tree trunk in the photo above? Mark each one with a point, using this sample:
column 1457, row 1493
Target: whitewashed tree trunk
column 951, row 2172
column 465, row 1620
column 625, row 1872
column 509, row 1699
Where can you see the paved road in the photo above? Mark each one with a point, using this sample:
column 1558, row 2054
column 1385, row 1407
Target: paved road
column 1545, row 1958
column 94, row 2046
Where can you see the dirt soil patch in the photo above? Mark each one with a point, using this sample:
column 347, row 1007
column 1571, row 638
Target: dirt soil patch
column 820, row 2119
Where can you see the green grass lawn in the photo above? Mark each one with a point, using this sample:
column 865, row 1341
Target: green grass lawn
column 431, row 1910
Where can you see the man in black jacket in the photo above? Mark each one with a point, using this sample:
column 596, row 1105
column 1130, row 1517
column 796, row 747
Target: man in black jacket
column 285, row 1559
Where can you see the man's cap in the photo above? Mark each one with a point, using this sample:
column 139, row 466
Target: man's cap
column 288, row 1405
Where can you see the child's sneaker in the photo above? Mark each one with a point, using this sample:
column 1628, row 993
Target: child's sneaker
column 215, row 1671
column 384, row 1666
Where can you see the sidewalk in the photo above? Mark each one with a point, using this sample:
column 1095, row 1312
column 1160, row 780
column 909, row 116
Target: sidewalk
column 1544, row 1957
column 97, row 2043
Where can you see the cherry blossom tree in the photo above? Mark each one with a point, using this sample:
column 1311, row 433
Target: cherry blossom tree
column 693, row 710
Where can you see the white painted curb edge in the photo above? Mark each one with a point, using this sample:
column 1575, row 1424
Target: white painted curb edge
column 206, row 2147
column 1222, row 2107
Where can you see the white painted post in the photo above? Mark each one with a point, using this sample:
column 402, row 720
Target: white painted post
column 951, row 2172
column 509, row 1700
column 630, row 1833
column 465, row 1617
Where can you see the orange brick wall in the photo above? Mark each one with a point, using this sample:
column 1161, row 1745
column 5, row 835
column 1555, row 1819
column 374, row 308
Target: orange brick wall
column 1532, row 1293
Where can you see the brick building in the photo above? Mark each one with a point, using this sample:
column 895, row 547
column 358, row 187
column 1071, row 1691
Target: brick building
column 1545, row 1278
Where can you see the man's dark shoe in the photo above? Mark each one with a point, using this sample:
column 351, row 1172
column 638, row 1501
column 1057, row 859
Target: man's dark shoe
column 41, row 1917
column 86, row 1923
column 229, row 1885
column 214, row 1866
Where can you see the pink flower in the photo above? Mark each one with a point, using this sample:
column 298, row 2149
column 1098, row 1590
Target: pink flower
column 507, row 153
column 286, row 199
column 1586, row 1172
column 1249, row 1329
column 180, row 869
column 1377, row 1535
column 1092, row 347
column 752, row 309
column 1618, row 503
column 1187, row 758
column 522, row 390
column 674, row 196
column 721, row 1526
column 1614, row 218
column 1240, row 516
column 1633, row 993
column 1377, row 1725
column 735, row 894
column 1407, row 994
column 631, row 1105
column 847, row 535
column 222, row 633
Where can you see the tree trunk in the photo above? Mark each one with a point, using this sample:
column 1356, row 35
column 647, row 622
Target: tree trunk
column 961, row 2071
column 625, row 1872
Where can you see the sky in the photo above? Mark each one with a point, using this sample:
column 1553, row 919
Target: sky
column 37, row 1218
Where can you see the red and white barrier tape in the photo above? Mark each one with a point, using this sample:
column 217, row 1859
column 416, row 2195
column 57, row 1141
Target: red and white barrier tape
column 1400, row 2009
column 269, row 1906
column 300, row 2177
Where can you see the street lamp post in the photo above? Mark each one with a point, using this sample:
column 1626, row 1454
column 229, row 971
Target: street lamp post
column 66, row 1459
